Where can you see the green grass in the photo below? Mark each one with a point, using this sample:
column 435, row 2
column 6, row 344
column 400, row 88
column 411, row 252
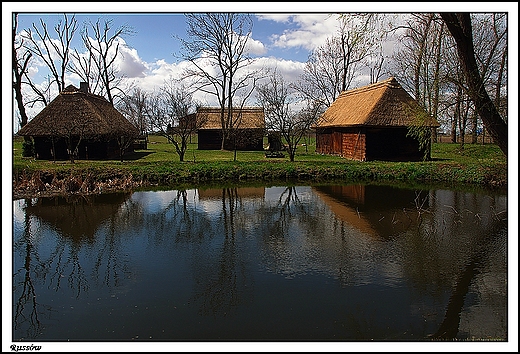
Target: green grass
column 475, row 165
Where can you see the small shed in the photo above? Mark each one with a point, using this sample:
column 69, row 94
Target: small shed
column 372, row 123
column 248, row 135
column 77, row 116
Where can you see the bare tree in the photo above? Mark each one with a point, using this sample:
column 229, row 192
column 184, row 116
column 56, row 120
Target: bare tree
column 169, row 115
column 490, row 40
column 376, row 65
column 282, row 113
column 217, row 50
column 460, row 27
column 83, row 66
column 332, row 67
column 133, row 107
column 54, row 53
column 103, row 50
column 21, row 58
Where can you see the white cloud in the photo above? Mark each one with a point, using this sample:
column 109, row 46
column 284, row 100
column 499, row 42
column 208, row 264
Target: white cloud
column 155, row 75
column 255, row 47
column 290, row 70
column 129, row 62
column 284, row 18
column 310, row 32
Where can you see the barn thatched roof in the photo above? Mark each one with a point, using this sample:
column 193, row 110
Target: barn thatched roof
column 74, row 112
column 252, row 117
column 382, row 104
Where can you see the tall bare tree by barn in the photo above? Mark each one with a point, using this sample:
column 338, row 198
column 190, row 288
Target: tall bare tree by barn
column 103, row 50
column 134, row 105
column 421, row 61
column 460, row 27
column 332, row 67
column 168, row 112
column 285, row 112
column 54, row 53
column 217, row 49
column 490, row 41
column 21, row 58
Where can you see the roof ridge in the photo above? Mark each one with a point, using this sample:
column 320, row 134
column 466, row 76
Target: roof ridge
column 85, row 94
column 390, row 82
column 234, row 108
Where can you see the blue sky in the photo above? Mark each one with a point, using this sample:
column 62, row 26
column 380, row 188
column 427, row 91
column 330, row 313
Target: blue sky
column 155, row 31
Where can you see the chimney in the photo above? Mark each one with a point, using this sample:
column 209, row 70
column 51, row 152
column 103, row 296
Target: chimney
column 83, row 87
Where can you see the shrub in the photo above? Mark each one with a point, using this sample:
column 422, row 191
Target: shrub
column 27, row 148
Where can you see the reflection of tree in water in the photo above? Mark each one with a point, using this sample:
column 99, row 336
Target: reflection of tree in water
column 219, row 272
column 292, row 233
column 474, row 259
column 439, row 238
column 222, row 280
column 27, row 310
column 179, row 222
column 76, row 221
column 451, row 243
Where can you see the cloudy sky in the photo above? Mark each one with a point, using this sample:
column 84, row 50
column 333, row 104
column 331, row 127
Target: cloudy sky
column 151, row 53
column 283, row 34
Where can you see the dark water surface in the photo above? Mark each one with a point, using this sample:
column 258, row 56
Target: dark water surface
column 341, row 263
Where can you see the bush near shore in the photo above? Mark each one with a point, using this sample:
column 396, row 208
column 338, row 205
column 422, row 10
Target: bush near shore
column 482, row 166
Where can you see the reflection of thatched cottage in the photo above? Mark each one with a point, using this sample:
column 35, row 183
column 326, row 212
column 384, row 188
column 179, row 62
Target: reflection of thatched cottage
column 249, row 133
column 77, row 217
column 371, row 123
column 78, row 116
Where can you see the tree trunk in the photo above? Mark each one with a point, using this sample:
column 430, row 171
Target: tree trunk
column 19, row 68
column 436, row 82
column 459, row 25
column 474, row 128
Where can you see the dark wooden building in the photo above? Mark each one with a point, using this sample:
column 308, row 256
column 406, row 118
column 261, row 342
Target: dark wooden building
column 83, row 121
column 248, row 135
column 372, row 123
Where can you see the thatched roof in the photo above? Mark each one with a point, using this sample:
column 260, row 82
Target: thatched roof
column 74, row 112
column 382, row 104
column 251, row 117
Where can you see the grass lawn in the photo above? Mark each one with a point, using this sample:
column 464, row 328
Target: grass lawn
column 476, row 164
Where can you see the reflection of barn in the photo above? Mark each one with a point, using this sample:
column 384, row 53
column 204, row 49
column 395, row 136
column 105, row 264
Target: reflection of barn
column 371, row 123
column 76, row 115
column 249, row 133
column 375, row 210
column 77, row 218
column 241, row 193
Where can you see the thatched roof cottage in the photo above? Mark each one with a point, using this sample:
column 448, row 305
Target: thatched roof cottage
column 372, row 123
column 249, row 133
column 76, row 119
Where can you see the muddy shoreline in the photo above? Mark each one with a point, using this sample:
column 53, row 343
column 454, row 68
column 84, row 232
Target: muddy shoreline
column 50, row 184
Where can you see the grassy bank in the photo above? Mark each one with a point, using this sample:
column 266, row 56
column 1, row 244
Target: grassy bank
column 159, row 165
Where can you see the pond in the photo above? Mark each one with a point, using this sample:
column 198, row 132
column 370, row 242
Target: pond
column 278, row 263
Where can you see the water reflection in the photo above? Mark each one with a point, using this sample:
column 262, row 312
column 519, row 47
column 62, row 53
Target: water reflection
column 326, row 262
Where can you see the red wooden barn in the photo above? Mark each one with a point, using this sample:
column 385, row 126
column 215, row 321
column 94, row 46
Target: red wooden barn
column 372, row 123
